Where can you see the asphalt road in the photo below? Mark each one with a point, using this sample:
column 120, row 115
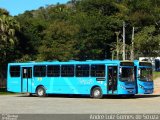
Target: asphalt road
column 22, row 104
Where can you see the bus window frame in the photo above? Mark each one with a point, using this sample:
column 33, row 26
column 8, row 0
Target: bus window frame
column 41, row 72
column 82, row 71
column 19, row 72
column 96, row 71
column 54, row 74
column 67, row 72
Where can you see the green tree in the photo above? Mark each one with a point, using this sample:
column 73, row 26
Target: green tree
column 8, row 41
column 8, row 26
column 59, row 42
column 95, row 23
column 103, row 7
column 30, row 37
column 3, row 12
column 147, row 43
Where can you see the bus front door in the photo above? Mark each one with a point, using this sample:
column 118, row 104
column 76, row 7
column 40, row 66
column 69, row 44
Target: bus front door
column 112, row 79
column 26, row 79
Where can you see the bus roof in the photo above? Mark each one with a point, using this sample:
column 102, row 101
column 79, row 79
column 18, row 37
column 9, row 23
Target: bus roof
column 142, row 63
column 68, row 62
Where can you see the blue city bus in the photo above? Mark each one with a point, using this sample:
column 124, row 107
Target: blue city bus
column 143, row 77
column 91, row 77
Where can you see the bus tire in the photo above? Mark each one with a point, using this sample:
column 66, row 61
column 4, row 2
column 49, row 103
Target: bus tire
column 96, row 93
column 131, row 95
column 41, row 92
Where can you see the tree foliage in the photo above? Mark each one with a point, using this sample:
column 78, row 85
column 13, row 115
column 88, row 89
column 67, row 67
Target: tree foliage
column 59, row 42
column 148, row 42
column 8, row 40
column 83, row 29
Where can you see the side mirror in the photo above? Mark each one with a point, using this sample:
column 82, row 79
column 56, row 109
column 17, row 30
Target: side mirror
column 139, row 72
column 120, row 70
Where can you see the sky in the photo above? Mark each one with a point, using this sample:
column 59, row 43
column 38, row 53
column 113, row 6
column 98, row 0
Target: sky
column 16, row 7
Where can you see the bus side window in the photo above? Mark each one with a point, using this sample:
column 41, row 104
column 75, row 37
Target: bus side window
column 98, row 70
column 39, row 71
column 67, row 70
column 82, row 70
column 15, row 71
column 27, row 72
column 53, row 70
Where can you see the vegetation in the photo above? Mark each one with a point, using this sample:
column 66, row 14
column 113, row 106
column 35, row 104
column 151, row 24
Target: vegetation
column 7, row 93
column 156, row 75
column 86, row 29
column 8, row 40
column 80, row 30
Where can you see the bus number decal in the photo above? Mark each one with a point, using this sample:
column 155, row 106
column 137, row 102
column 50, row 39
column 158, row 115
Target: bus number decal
column 39, row 79
column 86, row 82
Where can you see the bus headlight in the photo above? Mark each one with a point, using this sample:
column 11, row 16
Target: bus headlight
column 141, row 86
column 122, row 87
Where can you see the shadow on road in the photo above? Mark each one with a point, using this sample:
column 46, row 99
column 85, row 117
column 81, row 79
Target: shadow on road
column 86, row 96
column 146, row 96
column 129, row 97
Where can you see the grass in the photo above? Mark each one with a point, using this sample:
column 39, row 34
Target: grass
column 156, row 75
column 6, row 93
column 3, row 91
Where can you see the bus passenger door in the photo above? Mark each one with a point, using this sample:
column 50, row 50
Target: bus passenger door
column 112, row 79
column 26, row 79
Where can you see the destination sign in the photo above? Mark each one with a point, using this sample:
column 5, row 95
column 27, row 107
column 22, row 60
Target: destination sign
column 127, row 64
column 145, row 64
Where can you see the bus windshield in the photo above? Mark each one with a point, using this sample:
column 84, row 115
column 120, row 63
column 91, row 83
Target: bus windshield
column 127, row 74
column 146, row 74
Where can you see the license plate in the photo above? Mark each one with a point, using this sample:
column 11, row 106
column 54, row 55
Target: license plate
column 148, row 91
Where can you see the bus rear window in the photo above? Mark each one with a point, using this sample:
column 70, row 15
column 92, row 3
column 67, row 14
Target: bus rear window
column 15, row 71
column 53, row 70
column 67, row 70
column 98, row 70
column 40, row 71
column 82, row 70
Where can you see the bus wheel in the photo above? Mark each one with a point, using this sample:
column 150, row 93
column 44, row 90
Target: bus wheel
column 96, row 93
column 131, row 95
column 41, row 92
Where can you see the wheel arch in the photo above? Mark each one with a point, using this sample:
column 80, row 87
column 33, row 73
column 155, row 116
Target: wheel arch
column 39, row 86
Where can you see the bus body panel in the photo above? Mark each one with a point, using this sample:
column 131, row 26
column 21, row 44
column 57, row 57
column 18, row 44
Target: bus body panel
column 14, row 84
column 126, row 88
column 67, row 86
column 145, row 87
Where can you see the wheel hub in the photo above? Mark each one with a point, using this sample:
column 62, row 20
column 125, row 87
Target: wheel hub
column 40, row 92
column 96, row 93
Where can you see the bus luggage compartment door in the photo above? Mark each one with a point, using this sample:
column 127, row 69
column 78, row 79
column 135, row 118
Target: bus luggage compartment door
column 112, row 79
column 26, row 79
